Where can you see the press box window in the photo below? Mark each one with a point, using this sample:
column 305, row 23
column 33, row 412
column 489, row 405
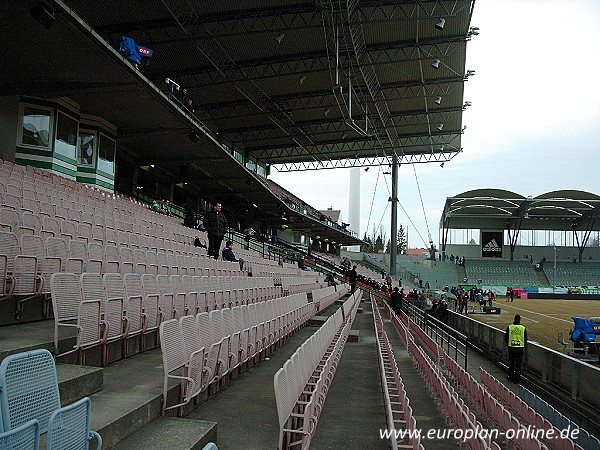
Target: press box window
column 85, row 148
column 66, row 136
column 36, row 127
column 106, row 154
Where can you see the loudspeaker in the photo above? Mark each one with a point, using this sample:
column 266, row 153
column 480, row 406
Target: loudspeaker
column 43, row 14
column 183, row 171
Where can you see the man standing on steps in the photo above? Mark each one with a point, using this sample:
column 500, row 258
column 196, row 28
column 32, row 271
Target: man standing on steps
column 215, row 223
column 516, row 338
column 352, row 277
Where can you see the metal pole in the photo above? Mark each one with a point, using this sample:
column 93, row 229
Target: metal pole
column 394, row 225
column 554, row 280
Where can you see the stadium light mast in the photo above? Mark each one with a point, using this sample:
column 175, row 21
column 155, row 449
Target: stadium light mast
column 394, row 224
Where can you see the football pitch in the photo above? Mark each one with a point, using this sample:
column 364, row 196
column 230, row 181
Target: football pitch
column 543, row 318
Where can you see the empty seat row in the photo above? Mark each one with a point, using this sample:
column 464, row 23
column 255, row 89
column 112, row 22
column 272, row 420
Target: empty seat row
column 508, row 409
column 200, row 349
column 108, row 308
column 325, row 297
column 301, row 385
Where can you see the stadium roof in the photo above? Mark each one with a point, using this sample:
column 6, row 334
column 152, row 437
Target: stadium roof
column 307, row 85
column 497, row 209
column 263, row 75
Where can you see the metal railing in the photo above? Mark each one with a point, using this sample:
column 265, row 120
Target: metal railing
column 453, row 342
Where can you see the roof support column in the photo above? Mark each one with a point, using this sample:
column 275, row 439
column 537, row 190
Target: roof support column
column 394, row 225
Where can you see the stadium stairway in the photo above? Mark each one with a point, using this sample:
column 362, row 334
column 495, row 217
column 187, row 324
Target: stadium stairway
column 542, row 277
column 461, row 273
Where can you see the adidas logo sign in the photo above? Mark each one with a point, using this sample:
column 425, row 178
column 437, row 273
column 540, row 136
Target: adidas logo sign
column 491, row 246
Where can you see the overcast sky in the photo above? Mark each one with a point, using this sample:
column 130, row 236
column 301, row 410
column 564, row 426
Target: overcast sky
column 534, row 126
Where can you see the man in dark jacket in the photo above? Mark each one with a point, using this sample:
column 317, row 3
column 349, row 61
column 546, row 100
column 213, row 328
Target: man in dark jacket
column 352, row 277
column 396, row 300
column 215, row 224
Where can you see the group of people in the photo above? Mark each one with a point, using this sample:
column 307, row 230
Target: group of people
column 437, row 307
column 215, row 224
column 161, row 206
column 458, row 260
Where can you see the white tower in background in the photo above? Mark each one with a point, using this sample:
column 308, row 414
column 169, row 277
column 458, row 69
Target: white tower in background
column 354, row 202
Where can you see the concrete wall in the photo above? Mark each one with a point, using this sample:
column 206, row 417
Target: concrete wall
column 9, row 121
column 562, row 254
column 544, row 364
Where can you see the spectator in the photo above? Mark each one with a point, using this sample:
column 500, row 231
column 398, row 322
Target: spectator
column 442, row 311
column 330, row 280
column 352, row 277
column 228, row 254
column 302, row 263
column 190, row 219
column 215, row 223
column 396, row 300
column 189, row 106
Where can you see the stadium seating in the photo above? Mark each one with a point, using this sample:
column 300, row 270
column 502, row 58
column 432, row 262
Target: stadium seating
column 323, row 298
column 302, row 383
column 558, row 420
column 397, row 405
column 208, row 346
column 569, row 274
column 512, row 406
column 29, row 392
column 501, row 273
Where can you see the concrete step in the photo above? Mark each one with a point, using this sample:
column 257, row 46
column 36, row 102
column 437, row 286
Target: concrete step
column 23, row 337
column 130, row 398
column 76, row 382
column 171, row 433
column 32, row 311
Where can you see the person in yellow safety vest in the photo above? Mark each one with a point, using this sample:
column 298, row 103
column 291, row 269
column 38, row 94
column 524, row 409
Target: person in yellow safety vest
column 516, row 338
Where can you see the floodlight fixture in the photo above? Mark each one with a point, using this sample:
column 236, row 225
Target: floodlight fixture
column 326, row 112
column 366, row 169
column 440, row 24
column 440, row 127
column 301, row 79
column 470, row 73
column 438, row 101
column 442, row 165
column 279, row 37
column 473, row 31
column 152, row 165
column 467, row 103
column 436, row 64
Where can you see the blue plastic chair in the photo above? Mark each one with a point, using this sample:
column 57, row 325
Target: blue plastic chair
column 69, row 427
column 27, row 436
column 29, row 391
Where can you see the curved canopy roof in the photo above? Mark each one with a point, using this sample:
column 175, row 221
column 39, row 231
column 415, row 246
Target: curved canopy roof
column 497, row 209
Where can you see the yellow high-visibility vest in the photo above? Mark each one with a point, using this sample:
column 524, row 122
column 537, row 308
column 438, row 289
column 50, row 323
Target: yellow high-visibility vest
column 516, row 336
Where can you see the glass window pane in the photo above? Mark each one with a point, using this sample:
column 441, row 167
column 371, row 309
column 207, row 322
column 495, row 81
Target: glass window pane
column 36, row 127
column 86, row 148
column 107, row 148
column 66, row 136
column 66, row 130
